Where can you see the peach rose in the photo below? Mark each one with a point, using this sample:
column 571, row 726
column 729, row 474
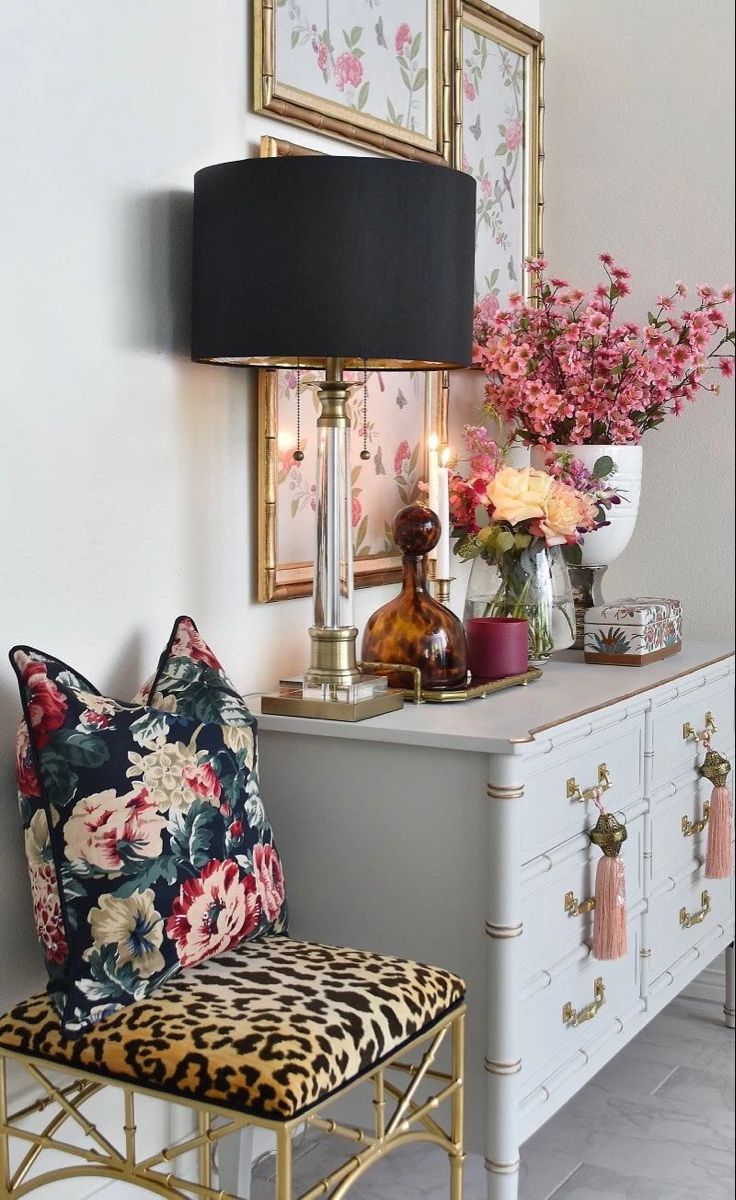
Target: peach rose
column 566, row 511
column 519, row 495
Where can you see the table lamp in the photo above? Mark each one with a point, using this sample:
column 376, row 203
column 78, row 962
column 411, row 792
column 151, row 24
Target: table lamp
column 336, row 264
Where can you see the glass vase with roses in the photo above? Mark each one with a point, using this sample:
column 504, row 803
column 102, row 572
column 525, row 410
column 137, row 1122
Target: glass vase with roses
column 513, row 524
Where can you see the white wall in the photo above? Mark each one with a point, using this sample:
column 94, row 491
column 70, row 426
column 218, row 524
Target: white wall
column 127, row 478
column 640, row 136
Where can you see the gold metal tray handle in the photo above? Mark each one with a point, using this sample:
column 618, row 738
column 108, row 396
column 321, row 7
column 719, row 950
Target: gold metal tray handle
column 573, row 1018
column 690, row 733
column 687, row 920
column 575, row 907
column 416, row 694
column 399, row 668
column 605, row 783
column 690, row 828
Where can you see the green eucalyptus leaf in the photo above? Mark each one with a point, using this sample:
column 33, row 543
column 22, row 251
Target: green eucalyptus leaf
column 604, row 467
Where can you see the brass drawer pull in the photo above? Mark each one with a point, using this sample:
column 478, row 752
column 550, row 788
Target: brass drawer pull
column 687, row 920
column 575, row 907
column 605, row 783
column 690, row 828
column 690, row 733
column 571, row 1017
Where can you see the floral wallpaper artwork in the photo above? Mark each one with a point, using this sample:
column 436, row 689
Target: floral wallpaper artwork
column 494, row 147
column 397, row 416
column 375, row 57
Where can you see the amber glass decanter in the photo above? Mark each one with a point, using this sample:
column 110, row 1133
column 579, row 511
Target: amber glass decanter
column 415, row 628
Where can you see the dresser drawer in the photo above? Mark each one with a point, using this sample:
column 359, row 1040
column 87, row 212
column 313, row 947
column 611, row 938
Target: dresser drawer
column 552, row 920
column 550, row 1035
column 690, row 912
column 673, row 752
column 550, row 815
column 679, row 833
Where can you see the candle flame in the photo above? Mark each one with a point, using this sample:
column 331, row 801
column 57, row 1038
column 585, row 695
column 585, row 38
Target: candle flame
column 434, row 442
column 285, row 441
column 446, row 456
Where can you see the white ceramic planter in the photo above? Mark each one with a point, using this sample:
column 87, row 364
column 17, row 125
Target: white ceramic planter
column 603, row 547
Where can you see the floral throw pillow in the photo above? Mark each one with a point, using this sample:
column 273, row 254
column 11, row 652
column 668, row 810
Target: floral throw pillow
column 148, row 845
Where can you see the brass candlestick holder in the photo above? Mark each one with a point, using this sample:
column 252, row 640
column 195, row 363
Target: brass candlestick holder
column 442, row 589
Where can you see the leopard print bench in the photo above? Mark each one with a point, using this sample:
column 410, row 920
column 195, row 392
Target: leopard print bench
column 267, row 1034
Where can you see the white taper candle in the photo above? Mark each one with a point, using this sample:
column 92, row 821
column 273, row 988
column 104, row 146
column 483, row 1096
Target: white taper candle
column 443, row 512
column 434, row 466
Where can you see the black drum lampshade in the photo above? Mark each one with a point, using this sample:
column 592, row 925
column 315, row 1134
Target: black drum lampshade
column 301, row 259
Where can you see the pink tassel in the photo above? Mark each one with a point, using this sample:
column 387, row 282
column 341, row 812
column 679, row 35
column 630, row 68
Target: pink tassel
column 719, row 858
column 610, row 931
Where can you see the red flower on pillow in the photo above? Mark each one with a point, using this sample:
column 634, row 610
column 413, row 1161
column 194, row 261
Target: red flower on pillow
column 28, row 784
column 46, row 704
column 269, row 876
column 213, row 912
column 47, row 912
column 189, row 643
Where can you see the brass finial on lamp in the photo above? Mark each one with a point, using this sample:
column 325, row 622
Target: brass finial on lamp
column 333, row 263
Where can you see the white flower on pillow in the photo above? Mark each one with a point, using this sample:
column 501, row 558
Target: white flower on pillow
column 105, row 827
column 239, row 738
column 134, row 927
column 175, row 775
column 38, row 841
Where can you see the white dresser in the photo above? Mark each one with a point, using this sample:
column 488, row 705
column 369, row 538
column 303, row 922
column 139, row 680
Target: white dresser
column 452, row 834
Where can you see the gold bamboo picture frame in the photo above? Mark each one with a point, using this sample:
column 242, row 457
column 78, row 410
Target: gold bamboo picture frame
column 498, row 138
column 376, row 77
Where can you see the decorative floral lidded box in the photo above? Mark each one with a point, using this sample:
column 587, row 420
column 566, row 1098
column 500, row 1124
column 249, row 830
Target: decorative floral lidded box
column 633, row 632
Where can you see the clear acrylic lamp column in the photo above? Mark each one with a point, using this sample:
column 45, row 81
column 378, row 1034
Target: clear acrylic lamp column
column 334, row 264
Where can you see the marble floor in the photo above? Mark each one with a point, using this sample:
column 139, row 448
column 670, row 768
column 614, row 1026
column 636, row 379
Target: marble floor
column 657, row 1123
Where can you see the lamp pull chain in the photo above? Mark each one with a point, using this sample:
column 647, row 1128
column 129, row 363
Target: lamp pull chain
column 298, row 453
column 365, row 453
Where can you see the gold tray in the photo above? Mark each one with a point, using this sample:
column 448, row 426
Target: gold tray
column 472, row 691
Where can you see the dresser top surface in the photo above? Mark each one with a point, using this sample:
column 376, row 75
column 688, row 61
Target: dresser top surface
column 510, row 721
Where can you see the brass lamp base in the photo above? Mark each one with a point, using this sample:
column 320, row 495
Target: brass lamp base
column 333, row 689
column 294, row 704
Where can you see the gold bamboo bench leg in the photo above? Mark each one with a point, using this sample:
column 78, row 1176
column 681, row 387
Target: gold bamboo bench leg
column 284, row 1174
column 457, row 1128
column 4, row 1140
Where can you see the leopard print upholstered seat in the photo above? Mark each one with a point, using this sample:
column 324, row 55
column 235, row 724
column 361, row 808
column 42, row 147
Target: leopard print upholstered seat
column 271, row 1028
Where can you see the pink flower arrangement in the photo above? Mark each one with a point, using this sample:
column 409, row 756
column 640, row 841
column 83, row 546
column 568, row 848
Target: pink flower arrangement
column 348, row 70
column 565, row 369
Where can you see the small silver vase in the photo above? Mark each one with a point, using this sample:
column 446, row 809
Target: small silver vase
column 586, row 593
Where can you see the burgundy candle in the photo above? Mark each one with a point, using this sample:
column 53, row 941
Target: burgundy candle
column 497, row 646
